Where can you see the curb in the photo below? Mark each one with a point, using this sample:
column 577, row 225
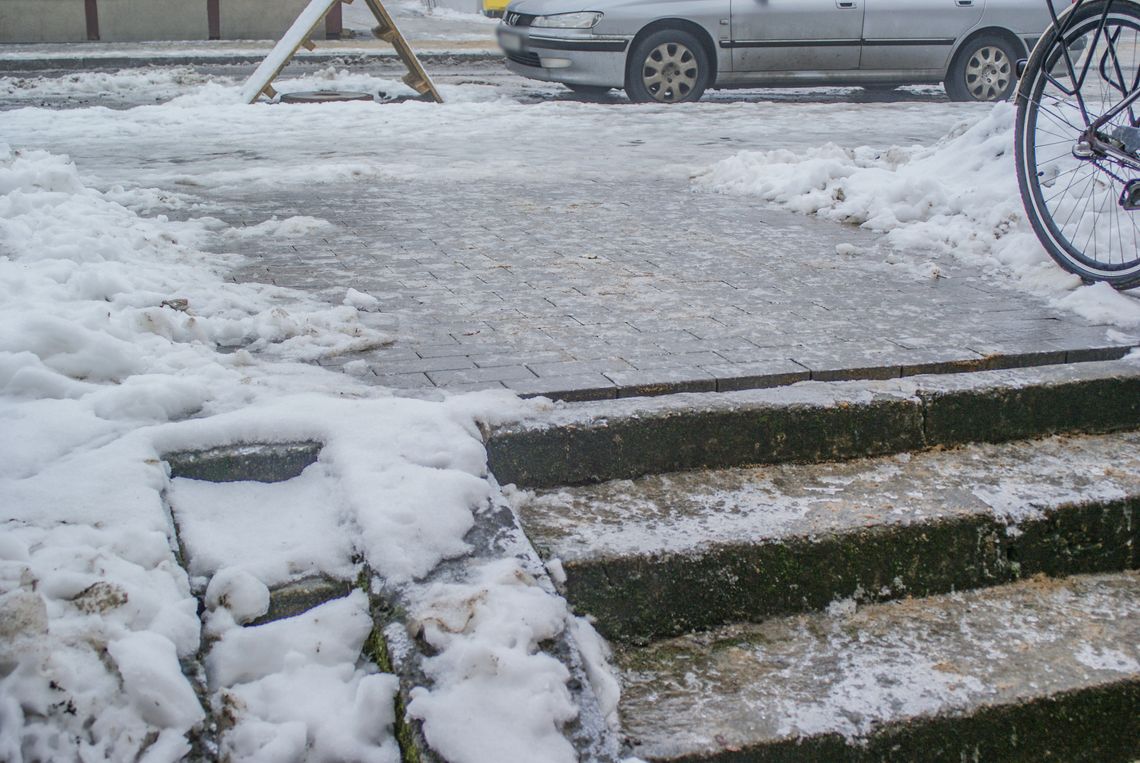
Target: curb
column 98, row 63
column 811, row 422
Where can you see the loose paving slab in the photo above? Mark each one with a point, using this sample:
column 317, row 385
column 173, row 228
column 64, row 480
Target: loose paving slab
column 670, row 553
column 1039, row 670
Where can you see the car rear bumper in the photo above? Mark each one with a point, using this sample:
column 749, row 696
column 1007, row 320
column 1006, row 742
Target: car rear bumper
column 577, row 59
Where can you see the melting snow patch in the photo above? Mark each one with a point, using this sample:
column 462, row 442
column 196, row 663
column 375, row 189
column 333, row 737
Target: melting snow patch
column 870, row 692
column 111, row 326
column 1106, row 659
column 495, row 696
column 290, row 226
column 957, row 197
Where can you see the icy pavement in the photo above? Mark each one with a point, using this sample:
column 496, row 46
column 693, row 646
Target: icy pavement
column 564, row 247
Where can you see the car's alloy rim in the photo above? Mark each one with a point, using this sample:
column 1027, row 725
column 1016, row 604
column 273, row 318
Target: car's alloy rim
column 670, row 72
column 988, row 73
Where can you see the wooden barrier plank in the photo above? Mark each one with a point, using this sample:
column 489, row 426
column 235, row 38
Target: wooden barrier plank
column 300, row 35
column 417, row 78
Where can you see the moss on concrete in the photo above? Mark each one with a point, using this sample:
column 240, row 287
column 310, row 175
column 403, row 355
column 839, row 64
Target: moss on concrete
column 640, row 598
column 678, row 439
column 265, row 462
column 1096, row 725
column 1009, row 413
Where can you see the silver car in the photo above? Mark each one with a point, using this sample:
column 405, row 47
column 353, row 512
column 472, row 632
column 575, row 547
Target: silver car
column 673, row 50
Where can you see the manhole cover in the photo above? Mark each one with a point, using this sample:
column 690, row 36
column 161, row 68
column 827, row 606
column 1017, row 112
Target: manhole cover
column 325, row 96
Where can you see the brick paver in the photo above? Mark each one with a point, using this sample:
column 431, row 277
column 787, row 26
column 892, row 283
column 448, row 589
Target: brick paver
column 594, row 289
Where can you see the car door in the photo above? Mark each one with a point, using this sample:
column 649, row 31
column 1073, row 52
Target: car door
column 915, row 35
column 795, row 35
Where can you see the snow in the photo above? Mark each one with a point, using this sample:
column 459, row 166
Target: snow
column 153, row 680
column 597, row 656
column 296, row 692
column 490, row 680
column 77, row 600
column 277, row 531
column 122, row 340
column 244, row 596
column 958, row 197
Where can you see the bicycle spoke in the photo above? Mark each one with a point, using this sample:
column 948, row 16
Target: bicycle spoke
column 1070, row 178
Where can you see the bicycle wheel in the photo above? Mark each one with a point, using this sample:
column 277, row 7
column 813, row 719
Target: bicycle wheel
column 1072, row 201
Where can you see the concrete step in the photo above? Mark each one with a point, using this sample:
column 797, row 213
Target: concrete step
column 670, row 553
column 1044, row 669
column 811, row 422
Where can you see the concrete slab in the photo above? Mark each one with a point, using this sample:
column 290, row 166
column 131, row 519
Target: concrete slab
column 1041, row 670
column 674, row 552
column 811, row 422
column 256, row 462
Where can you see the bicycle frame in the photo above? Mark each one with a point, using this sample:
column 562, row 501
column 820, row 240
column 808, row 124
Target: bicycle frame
column 1091, row 143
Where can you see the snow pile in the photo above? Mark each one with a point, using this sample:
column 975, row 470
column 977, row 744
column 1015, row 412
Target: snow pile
column 490, row 680
column 93, row 624
column 113, row 331
column 959, row 196
column 296, row 692
column 163, row 83
column 90, row 291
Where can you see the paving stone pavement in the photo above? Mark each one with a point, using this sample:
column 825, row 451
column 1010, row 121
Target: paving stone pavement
column 588, row 289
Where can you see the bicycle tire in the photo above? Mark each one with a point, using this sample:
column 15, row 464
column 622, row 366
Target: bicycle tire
column 1072, row 203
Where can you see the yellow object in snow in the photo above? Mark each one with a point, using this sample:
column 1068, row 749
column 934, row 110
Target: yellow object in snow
column 495, row 8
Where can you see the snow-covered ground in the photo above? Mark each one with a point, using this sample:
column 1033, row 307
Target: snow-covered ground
column 121, row 340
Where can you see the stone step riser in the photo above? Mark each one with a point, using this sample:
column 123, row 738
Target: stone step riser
column 1037, row 670
column 1098, row 725
column 640, row 598
column 812, row 424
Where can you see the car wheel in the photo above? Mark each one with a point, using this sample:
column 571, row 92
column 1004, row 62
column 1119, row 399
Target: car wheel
column 668, row 66
column 983, row 70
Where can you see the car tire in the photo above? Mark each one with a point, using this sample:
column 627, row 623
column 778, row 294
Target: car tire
column 985, row 69
column 667, row 66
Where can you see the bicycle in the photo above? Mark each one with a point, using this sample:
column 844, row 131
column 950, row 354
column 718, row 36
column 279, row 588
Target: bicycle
column 1077, row 140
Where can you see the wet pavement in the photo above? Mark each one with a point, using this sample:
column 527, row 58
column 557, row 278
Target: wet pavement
column 534, row 240
column 596, row 288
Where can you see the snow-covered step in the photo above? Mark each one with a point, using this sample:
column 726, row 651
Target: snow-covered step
column 810, row 422
column 1044, row 669
column 666, row 554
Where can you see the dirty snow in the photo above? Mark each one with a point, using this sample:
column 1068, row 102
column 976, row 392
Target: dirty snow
column 958, row 197
column 121, row 340
column 483, row 643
